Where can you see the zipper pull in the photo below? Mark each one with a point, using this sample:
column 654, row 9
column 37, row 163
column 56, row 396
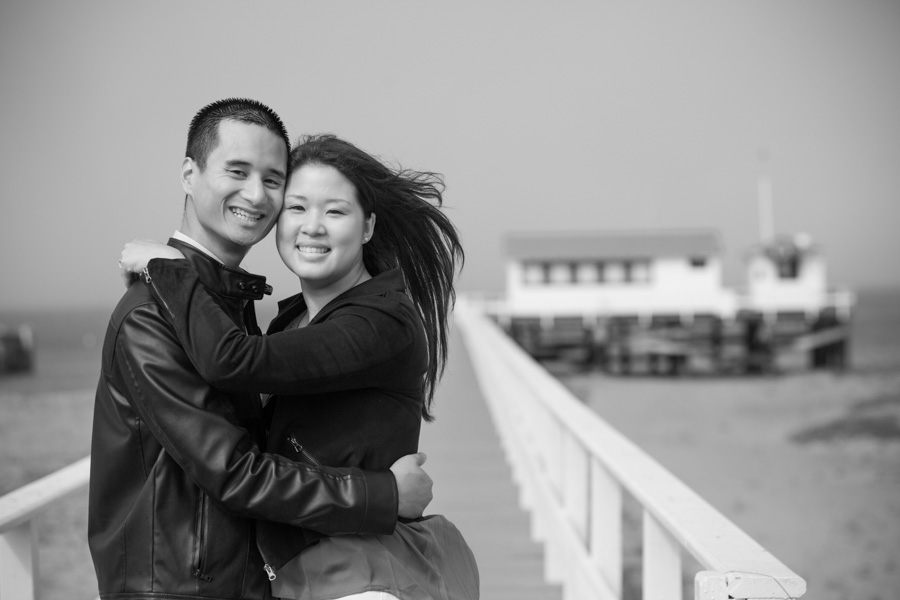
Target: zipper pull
column 299, row 449
column 270, row 572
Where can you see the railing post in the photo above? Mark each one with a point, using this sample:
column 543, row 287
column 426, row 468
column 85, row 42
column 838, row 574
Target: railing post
column 19, row 562
column 709, row 585
column 662, row 562
column 575, row 485
column 606, row 526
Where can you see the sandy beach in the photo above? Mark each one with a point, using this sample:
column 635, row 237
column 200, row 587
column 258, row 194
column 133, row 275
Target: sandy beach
column 807, row 463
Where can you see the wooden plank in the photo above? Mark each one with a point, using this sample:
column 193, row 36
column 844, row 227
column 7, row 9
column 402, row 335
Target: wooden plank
column 19, row 562
column 717, row 543
column 662, row 562
column 30, row 500
column 473, row 488
column 606, row 526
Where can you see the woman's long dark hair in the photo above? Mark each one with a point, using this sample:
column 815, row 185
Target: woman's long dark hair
column 411, row 233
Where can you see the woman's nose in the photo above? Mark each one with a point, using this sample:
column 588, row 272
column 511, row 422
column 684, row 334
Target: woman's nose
column 312, row 224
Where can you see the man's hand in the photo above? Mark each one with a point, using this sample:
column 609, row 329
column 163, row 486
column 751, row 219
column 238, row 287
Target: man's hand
column 413, row 485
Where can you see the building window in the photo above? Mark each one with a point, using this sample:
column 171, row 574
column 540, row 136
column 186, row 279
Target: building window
column 788, row 267
column 614, row 272
column 533, row 273
column 640, row 271
column 587, row 273
column 560, row 273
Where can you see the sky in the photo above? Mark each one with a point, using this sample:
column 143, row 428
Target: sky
column 542, row 116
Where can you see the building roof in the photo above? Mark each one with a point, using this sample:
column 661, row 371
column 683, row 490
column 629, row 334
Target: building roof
column 611, row 245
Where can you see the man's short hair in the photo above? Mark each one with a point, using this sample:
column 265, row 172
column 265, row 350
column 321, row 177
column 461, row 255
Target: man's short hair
column 203, row 133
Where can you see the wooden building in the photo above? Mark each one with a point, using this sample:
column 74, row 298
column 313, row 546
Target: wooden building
column 657, row 299
column 616, row 274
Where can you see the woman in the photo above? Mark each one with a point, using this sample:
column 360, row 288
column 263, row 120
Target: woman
column 353, row 360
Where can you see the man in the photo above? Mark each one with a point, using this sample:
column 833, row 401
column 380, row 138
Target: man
column 177, row 477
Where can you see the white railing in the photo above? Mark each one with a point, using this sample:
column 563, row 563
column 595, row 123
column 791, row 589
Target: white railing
column 18, row 528
column 572, row 469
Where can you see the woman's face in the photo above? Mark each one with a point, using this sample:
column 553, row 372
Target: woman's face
column 322, row 229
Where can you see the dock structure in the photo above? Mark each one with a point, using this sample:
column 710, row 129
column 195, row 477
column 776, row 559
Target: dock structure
column 534, row 480
column 473, row 487
column 655, row 302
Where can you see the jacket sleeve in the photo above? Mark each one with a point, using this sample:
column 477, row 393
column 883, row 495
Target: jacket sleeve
column 194, row 424
column 360, row 346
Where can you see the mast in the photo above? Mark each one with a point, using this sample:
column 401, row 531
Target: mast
column 765, row 202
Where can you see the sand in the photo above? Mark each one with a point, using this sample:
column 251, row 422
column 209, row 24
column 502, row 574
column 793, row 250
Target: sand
column 807, row 463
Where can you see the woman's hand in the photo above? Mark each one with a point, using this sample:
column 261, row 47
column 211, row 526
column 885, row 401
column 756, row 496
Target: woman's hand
column 137, row 253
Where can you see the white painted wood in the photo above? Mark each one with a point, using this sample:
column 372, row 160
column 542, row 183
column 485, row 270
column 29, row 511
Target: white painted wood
column 709, row 585
column 514, row 383
column 18, row 531
column 34, row 498
column 576, row 479
column 19, row 562
column 661, row 562
column 606, row 526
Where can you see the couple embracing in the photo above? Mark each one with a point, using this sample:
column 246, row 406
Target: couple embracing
column 227, row 464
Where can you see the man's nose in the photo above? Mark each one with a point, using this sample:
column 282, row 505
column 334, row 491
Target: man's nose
column 254, row 190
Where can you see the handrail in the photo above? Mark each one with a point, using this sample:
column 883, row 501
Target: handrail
column 572, row 467
column 18, row 533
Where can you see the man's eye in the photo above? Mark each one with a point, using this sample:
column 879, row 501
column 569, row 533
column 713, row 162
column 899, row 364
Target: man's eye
column 274, row 183
column 237, row 172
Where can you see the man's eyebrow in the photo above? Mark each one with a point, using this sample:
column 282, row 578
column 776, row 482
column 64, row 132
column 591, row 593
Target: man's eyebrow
column 236, row 162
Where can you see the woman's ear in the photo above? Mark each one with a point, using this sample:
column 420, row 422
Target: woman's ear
column 369, row 229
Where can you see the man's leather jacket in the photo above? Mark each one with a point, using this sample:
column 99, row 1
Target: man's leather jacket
column 177, row 477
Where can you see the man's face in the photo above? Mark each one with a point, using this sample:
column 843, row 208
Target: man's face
column 234, row 202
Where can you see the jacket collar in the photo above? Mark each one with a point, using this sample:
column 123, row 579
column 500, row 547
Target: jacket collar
column 388, row 281
column 222, row 279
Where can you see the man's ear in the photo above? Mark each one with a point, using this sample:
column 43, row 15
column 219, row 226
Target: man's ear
column 188, row 168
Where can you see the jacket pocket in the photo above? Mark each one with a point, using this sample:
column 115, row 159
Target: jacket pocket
column 201, row 533
column 301, row 453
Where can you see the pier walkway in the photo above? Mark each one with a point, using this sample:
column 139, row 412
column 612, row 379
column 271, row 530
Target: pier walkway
column 473, row 487
column 502, row 419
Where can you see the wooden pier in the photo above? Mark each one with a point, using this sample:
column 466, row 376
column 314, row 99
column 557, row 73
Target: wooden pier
column 502, row 419
column 473, row 487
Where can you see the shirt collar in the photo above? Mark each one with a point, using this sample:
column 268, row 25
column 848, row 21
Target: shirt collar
column 189, row 240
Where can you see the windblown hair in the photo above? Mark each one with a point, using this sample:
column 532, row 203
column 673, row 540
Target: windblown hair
column 412, row 233
column 203, row 133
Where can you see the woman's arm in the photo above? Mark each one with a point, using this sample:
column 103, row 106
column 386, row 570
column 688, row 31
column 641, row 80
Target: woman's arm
column 137, row 253
column 360, row 346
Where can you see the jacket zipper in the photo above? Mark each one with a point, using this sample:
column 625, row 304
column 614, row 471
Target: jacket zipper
column 149, row 281
column 270, row 572
column 299, row 449
column 201, row 540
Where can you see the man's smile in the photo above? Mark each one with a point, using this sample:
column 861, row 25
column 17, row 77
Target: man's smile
column 244, row 215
